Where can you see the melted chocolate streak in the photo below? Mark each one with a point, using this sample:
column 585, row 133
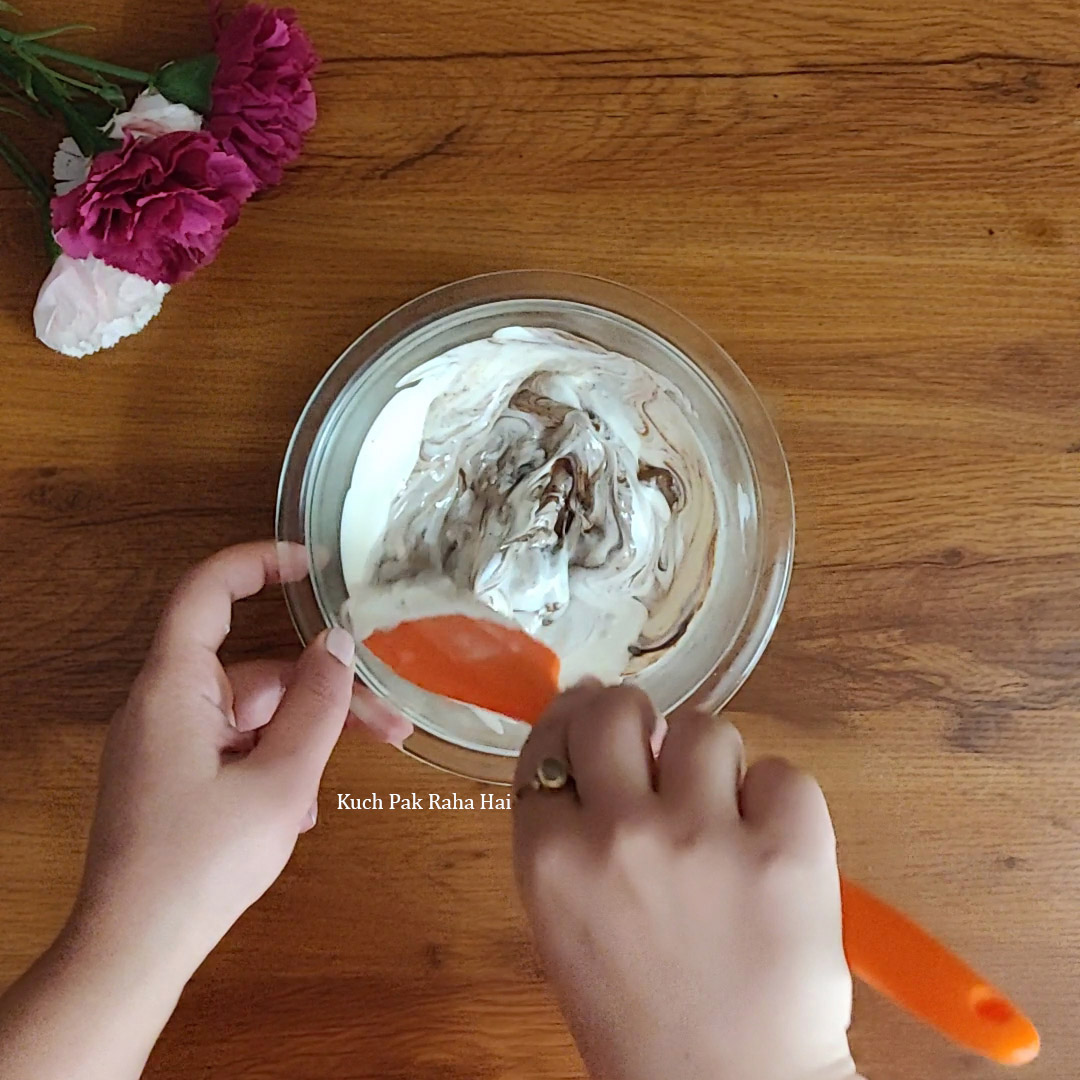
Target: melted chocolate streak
column 571, row 491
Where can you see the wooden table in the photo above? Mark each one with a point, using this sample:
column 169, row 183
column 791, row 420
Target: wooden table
column 875, row 210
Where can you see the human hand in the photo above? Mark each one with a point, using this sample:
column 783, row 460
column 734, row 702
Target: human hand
column 210, row 774
column 688, row 916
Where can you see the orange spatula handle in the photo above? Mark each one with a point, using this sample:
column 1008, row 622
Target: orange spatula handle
column 899, row 959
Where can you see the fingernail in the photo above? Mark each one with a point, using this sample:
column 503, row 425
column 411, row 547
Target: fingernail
column 382, row 723
column 392, row 728
column 293, row 560
column 340, row 645
column 320, row 556
column 313, row 815
column 659, row 733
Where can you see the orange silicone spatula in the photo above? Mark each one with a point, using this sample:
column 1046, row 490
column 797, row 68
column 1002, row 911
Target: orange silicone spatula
column 477, row 661
column 896, row 957
column 504, row 669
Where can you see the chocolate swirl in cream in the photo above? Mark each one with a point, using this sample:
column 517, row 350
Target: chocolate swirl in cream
column 560, row 484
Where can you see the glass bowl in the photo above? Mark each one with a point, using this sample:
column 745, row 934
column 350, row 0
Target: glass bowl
column 755, row 540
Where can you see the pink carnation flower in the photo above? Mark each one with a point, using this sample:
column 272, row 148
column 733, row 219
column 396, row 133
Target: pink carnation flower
column 158, row 208
column 263, row 103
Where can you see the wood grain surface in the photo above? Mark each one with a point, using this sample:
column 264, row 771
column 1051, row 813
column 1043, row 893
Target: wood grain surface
column 874, row 207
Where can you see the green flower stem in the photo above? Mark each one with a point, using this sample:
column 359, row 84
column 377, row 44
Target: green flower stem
column 40, row 35
column 24, row 172
column 78, row 83
column 38, row 187
column 88, row 64
column 52, row 248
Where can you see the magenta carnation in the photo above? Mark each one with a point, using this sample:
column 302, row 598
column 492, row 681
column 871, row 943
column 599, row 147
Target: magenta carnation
column 158, row 208
column 263, row 102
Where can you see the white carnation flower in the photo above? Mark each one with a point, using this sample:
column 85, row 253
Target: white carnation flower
column 85, row 305
column 70, row 166
column 151, row 114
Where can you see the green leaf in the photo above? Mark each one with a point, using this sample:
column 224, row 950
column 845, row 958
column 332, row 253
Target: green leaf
column 91, row 139
column 41, row 35
column 10, row 69
column 110, row 93
column 187, row 82
column 8, row 7
column 96, row 112
column 26, row 82
column 86, row 63
column 52, row 248
column 70, row 80
column 36, row 80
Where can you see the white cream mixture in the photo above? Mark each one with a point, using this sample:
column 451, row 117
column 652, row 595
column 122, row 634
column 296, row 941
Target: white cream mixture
column 553, row 482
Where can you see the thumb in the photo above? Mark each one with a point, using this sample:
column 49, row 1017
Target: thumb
column 297, row 742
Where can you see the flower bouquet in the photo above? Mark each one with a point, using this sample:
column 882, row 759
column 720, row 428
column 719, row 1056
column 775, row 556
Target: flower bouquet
column 145, row 187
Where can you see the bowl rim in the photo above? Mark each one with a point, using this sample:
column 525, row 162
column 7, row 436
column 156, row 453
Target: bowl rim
column 765, row 451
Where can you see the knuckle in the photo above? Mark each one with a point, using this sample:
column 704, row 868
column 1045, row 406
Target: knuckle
column 568, row 704
column 185, row 582
column 635, row 857
column 155, row 687
column 623, row 698
column 723, row 730
column 773, row 775
column 715, row 729
column 693, row 722
column 616, row 706
column 779, row 870
column 802, row 791
column 546, row 863
column 634, row 841
column 191, row 578
column 321, row 686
